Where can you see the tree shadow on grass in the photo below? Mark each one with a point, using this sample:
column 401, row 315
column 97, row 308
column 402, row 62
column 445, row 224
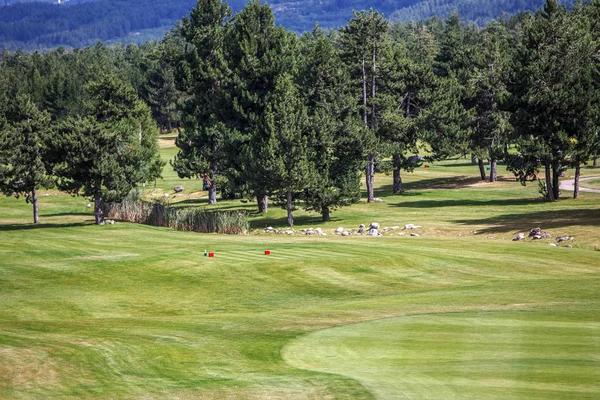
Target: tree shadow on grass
column 63, row 214
column 467, row 203
column 387, row 191
column 451, row 182
column 547, row 220
column 30, row 226
column 457, row 163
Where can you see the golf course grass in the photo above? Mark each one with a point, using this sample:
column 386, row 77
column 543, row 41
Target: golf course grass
column 129, row 311
column 593, row 184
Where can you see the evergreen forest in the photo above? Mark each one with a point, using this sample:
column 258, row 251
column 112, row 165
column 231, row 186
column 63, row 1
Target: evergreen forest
column 300, row 120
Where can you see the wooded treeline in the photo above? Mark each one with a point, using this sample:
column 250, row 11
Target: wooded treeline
column 296, row 120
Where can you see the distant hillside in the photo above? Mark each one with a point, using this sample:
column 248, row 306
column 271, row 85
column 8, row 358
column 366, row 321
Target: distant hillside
column 477, row 11
column 33, row 26
column 9, row 2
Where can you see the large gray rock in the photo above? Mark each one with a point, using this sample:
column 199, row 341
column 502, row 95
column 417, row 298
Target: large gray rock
column 178, row 189
column 375, row 225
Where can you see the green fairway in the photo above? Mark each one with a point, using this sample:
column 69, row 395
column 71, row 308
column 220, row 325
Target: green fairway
column 592, row 184
column 129, row 311
column 544, row 353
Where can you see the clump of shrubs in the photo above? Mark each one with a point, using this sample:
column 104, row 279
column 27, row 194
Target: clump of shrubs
column 160, row 213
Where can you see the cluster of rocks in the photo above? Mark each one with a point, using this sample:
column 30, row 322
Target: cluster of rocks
column 108, row 222
column 311, row 231
column 374, row 229
column 538, row 234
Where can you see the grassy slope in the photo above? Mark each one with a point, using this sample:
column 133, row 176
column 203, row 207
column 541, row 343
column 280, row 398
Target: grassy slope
column 129, row 311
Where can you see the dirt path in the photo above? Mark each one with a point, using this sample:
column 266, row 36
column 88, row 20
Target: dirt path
column 569, row 183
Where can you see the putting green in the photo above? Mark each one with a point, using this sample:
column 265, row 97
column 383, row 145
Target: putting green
column 535, row 354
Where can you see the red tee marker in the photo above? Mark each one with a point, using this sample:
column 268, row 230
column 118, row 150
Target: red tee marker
column 211, row 255
column 267, row 252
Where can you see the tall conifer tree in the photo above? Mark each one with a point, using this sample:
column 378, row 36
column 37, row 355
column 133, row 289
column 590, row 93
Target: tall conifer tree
column 203, row 72
column 363, row 41
column 336, row 140
column 258, row 52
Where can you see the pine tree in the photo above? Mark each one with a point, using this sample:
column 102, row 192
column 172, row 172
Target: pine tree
column 104, row 154
column 203, row 71
column 363, row 41
column 258, row 53
column 406, row 77
column 24, row 155
column 486, row 93
column 290, row 162
column 336, row 139
column 554, row 90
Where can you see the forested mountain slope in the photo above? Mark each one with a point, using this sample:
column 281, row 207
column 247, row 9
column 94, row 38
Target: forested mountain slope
column 32, row 26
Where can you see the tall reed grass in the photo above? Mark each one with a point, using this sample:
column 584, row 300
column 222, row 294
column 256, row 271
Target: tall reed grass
column 183, row 219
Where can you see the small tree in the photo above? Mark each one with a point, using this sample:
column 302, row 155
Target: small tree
column 105, row 154
column 24, row 163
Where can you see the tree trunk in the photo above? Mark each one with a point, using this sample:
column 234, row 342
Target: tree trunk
column 549, row 189
column 98, row 211
column 373, row 90
column 212, row 189
column 364, row 81
column 482, row 169
column 576, row 183
column 556, row 180
column 263, row 203
column 325, row 214
column 473, row 159
column 493, row 172
column 212, row 192
column 34, row 201
column 397, row 186
column 370, row 174
column 595, row 161
column 290, row 205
